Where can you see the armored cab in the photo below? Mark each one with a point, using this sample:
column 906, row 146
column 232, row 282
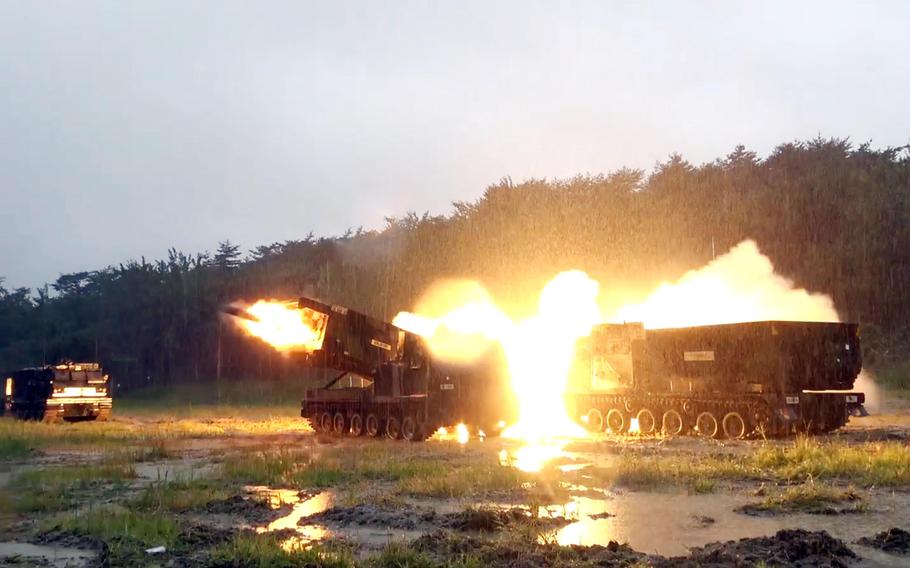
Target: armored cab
column 70, row 391
column 730, row 379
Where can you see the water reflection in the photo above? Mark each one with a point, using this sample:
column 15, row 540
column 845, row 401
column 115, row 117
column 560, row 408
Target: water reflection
column 300, row 509
column 670, row 523
column 531, row 457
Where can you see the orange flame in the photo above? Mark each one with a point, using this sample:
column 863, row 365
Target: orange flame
column 284, row 326
column 738, row 286
column 539, row 349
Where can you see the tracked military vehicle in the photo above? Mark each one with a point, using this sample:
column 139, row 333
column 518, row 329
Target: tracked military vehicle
column 386, row 382
column 69, row 391
column 731, row 380
column 770, row 378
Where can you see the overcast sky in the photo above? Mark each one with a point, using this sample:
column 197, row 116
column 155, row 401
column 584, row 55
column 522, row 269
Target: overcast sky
column 127, row 128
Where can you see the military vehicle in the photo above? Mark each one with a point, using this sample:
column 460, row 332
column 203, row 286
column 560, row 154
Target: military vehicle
column 389, row 384
column 731, row 380
column 69, row 391
column 385, row 381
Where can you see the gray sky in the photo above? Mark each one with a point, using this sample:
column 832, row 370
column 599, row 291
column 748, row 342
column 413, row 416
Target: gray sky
column 130, row 127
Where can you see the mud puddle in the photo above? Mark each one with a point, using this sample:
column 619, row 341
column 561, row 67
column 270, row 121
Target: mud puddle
column 304, row 521
column 670, row 524
column 295, row 505
column 20, row 553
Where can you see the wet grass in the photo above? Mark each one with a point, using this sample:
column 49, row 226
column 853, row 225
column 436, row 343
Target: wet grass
column 812, row 498
column 127, row 533
column 398, row 555
column 180, row 496
column 698, row 473
column 435, row 471
column 266, row 551
column 867, row 464
column 13, row 448
column 60, row 488
column 401, row 555
column 205, row 410
column 471, row 480
column 20, row 437
column 369, row 493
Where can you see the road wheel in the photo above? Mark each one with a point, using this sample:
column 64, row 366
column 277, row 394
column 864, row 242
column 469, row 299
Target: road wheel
column 314, row 423
column 706, row 425
column 616, row 421
column 734, row 426
column 672, row 423
column 409, row 429
column 393, row 428
column 325, row 422
column 340, row 424
column 595, row 421
column 372, row 425
column 356, row 425
column 646, row 422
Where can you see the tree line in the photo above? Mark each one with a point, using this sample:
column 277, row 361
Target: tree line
column 832, row 216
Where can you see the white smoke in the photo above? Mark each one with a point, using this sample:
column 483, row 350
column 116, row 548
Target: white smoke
column 738, row 286
column 865, row 383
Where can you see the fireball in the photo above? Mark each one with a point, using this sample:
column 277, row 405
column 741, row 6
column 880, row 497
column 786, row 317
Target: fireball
column 539, row 350
column 284, row 325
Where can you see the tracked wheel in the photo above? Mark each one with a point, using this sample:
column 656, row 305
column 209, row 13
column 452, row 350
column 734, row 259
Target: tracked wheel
column 393, row 428
column 357, row 428
column 595, row 420
column 372, row 425
column 314, row 423
column 672, row 423
column 325, row 422
column 616, row 421
column 647, row 423
column 734, row 426
column 706, row 425
column 410, row 430
column 340, row 424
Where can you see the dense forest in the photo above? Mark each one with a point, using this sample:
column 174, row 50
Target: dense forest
column 832, row 216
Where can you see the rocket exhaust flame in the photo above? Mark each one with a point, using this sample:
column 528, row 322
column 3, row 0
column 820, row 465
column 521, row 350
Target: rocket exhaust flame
column 283, row 325
column 539, row 349
column 460, row 321
column 738, row 286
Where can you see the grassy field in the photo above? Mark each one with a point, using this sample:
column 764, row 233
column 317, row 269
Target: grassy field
column 152, row 417
column 254, row 396
column 87, row 483
column 895, row 378
column 866, row 464
column 812, row 498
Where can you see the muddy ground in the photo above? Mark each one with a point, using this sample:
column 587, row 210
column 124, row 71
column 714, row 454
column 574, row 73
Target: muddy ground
column 286, row 497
